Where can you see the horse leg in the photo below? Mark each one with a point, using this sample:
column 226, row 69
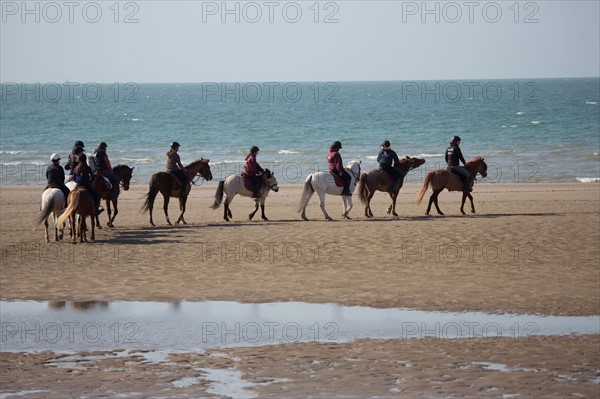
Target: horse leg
column 74, row 227
column 462, row 203
column 308, row 197
column 435, row 201
column 262, row 209
column 250, row 216
column 166, row 208
column 46, row 233
column 93, row 236
column 322, row 205
column 472, row 205
column 110, row 221
column 368, row 211
column 182, row 202
column 82, row 228
column 392, row 207
column 226, row 211
column 347, row 206
column 62, row 230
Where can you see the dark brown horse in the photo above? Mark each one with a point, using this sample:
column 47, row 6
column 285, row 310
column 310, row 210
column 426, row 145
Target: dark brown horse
column 376, row 180
column 80, row 203
column 441, row 178
column 124, row 174
column 166, row 184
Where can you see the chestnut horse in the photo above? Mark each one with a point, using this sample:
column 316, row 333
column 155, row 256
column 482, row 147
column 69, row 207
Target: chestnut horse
column 166, row 184
column 233, row 184
column 441, row 178
column 376, row 180
column 80, row 203
column 124, row 174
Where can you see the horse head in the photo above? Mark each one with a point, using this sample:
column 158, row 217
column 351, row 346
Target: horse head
column 478, row 165
column 270, row 181
column 124, row 173
column 354, row 168
column 200, row 167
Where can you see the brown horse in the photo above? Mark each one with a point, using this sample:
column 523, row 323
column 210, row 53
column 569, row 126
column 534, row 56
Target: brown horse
column 376, row 180
column 166, row 184
column 441, row 178
column 124, row 174
column 80, row 203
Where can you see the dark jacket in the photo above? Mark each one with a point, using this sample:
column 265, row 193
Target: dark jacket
column 55, row 175
column 388, row 158
column 454, row 155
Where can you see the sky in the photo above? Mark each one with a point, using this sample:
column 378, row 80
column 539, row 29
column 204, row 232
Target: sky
column 269, row 41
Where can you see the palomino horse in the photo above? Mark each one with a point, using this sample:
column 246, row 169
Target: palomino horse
column 323, row 183
column 53, row 202
column 234, row 184
column 440, row 179
column 376, row 180
column 166, row 184
column 80, row 203
column 124, row 174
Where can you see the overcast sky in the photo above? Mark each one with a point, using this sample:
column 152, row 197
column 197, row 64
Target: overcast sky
column 202, row 41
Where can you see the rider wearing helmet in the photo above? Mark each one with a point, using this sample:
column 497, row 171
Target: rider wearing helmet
column 388, row 162
column 336, row 167
column 103, row 166
column 175, row 168
column 253, row 170
column 56, row 176
column 84, row 178
column 73, row 160
column 453, row 157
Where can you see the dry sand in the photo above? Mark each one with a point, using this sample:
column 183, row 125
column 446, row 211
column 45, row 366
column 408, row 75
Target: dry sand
column 531, row 248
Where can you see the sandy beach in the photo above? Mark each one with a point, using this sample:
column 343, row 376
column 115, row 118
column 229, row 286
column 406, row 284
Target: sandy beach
column 529, row 249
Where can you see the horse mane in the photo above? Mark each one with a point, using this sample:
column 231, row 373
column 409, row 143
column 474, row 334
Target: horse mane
column 475, row 160
column 194, row 163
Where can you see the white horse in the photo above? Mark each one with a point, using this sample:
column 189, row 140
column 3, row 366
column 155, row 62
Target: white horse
column 234, row 184
column 53, row 202
column 324, row 183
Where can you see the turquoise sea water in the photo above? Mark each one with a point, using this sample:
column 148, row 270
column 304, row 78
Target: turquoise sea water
column 544, row 130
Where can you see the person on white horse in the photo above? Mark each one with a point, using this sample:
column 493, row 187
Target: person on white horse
column 336, row 166
column 252, row 170
column 56, row 176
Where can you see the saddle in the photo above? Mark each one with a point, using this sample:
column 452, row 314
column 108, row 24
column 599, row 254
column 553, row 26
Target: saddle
column 387, row 176
column 339, row 181
column 177, row 182
column 248, row 182
column 53, row 185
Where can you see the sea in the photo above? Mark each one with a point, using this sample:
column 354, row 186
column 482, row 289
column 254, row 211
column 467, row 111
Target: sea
column 528, row 130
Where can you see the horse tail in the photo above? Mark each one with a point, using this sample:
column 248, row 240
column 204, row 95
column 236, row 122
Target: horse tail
column 73, row 204
column 362, row 188
column 425, row 186
column 47, row 208
column 308, row 188
column 150, row 197
column 219, row 195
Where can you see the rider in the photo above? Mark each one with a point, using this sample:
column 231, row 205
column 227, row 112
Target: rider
column 388, row 162
column 56, row 176
column 175, row 167
column 73, row 160
column 84, row 178
column 253, row 170
column 453, row 156
column 103, row 166
column 336, row 166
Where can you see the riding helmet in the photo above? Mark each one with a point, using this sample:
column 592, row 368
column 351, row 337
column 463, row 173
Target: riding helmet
column 337, row 144
column 175, row 145
column 79, row 143
column 55, row 157
column 456, row 138
column 386, row 144
column 254, row 149
column 102, row 145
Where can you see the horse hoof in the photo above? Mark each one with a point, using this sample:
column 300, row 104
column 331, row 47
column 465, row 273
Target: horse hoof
column 305, row 218
column 472, row 210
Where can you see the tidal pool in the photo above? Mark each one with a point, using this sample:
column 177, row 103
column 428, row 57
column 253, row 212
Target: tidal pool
column 28, row 326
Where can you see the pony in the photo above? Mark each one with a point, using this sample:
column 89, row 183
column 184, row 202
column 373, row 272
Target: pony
column 80, row 203
column 234, row 184
column 323, row 183
column 168, row 186
column 441, row 178
column 377, row 180
column 124, row 174
column 53, row 202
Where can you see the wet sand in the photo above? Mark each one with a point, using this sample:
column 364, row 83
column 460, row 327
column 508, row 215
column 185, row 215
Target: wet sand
column 530, row 248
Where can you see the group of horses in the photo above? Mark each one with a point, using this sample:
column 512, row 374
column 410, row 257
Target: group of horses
column 366, row 184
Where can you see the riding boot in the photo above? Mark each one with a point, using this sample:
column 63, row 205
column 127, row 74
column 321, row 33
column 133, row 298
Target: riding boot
column 346, row 190
column 392, row 188
column 466, row 184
